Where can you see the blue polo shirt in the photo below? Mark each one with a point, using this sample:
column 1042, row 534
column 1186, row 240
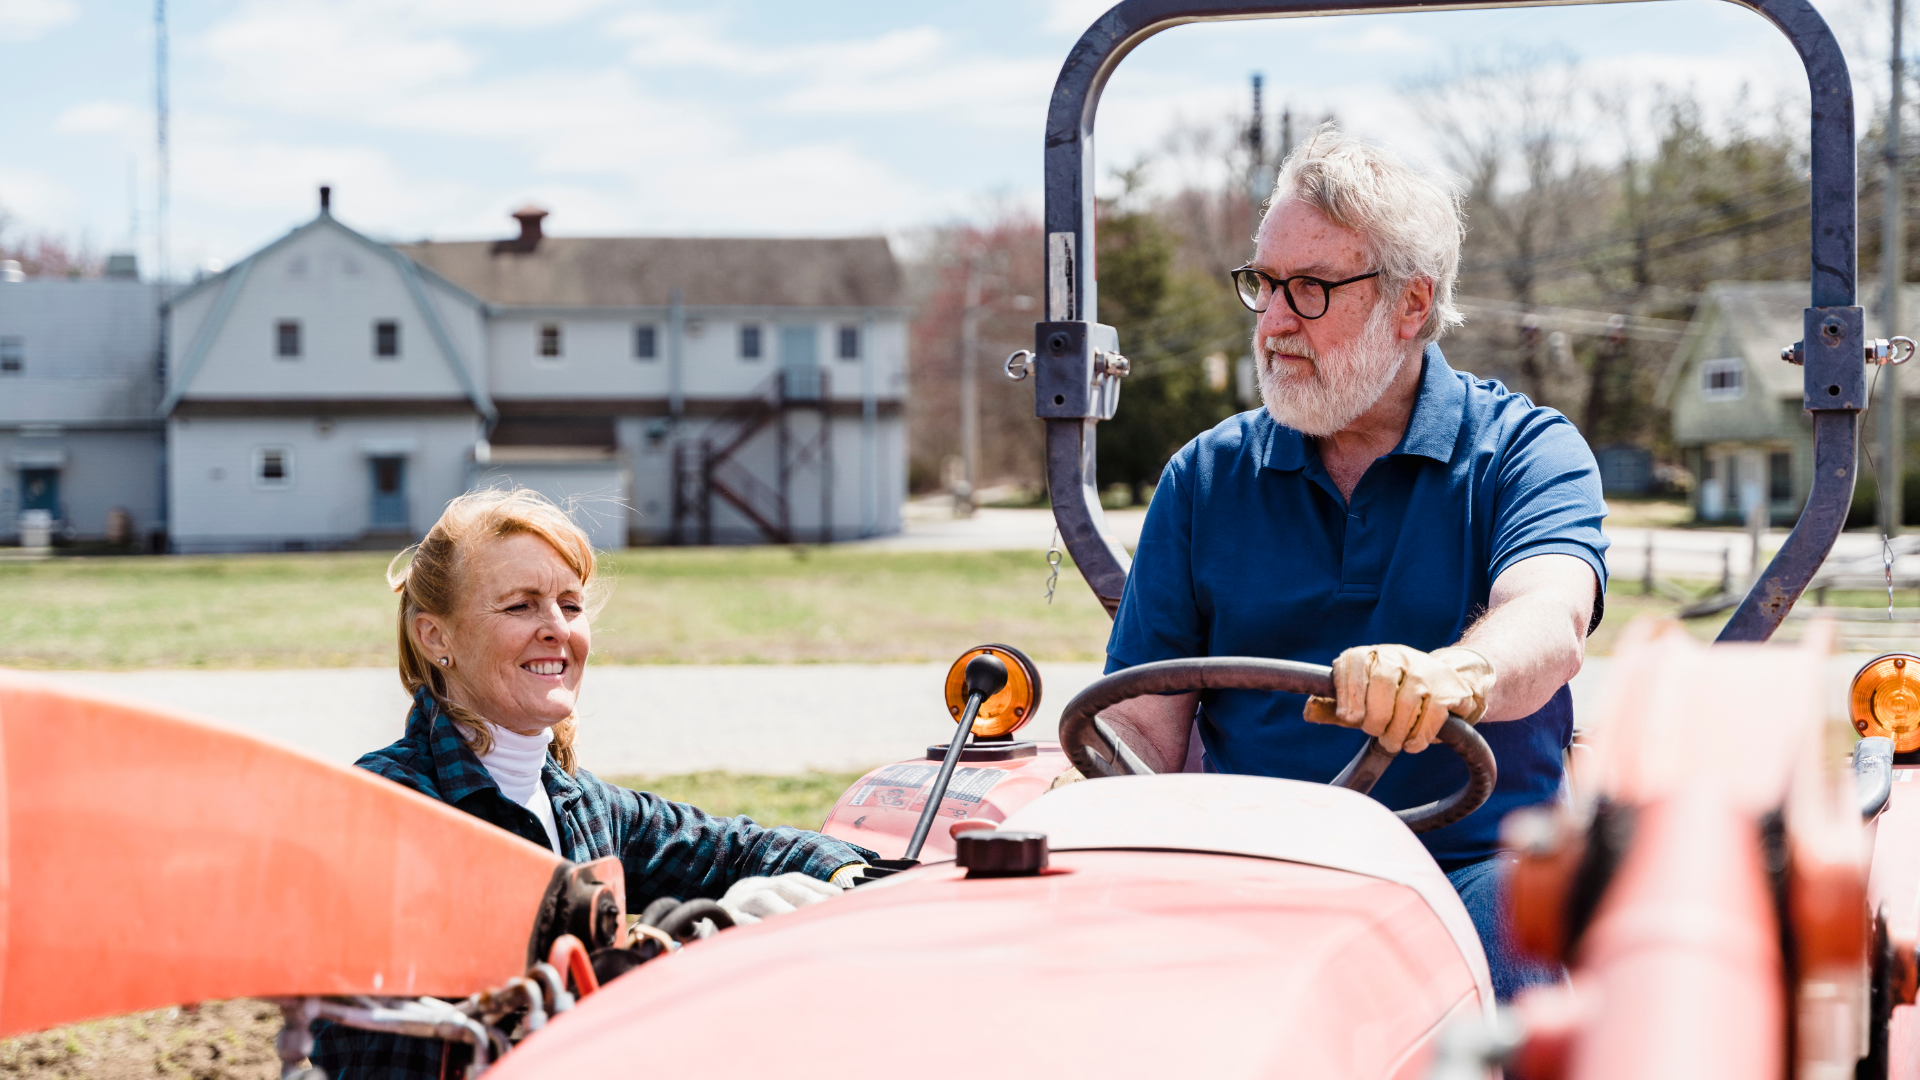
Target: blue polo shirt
column 1249, row 550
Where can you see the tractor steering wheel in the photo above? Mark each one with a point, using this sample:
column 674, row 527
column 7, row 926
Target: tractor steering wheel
column 1097, row 752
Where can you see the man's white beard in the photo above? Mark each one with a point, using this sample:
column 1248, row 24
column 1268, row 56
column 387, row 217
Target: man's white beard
column 1341, row 384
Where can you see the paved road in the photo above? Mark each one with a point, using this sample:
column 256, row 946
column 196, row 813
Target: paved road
column 647, row 720
column 662, row 720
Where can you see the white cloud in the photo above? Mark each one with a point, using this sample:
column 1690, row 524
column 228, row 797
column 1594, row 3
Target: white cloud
column 1376, row 39
column 93, row 117
column 1074, row 16
column 315, row 56
column 29, row 195
column 25, row 20
column 914, row 70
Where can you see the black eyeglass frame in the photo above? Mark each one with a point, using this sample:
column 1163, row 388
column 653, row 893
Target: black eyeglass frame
column 1284, row 287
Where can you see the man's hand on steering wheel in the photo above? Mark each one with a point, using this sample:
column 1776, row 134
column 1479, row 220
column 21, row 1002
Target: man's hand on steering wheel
column 1401, row 696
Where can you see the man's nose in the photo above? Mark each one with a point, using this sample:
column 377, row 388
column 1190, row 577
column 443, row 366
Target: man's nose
column 1278, row 320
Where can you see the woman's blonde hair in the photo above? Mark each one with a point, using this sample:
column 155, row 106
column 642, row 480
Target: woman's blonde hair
column 429, row 583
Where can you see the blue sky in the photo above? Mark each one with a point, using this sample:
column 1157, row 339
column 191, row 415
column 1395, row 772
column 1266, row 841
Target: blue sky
column 437, row 117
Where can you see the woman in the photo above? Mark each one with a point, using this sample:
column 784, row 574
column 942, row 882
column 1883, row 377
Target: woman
column 494, row 638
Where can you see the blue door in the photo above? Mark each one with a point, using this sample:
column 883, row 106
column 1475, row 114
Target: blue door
column 800, row 361
column 390, row 494
column 40, row 490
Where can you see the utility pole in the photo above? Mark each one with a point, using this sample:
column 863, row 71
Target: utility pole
column 1257, row 191
column 1893, row 274
column 970, row 388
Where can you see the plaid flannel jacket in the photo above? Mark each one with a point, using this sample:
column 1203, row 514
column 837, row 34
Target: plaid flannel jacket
column 668, row 848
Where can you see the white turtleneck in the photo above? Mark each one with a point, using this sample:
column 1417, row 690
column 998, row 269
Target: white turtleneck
column 515, row 763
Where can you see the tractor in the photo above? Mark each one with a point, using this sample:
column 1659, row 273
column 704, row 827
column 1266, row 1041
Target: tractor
column 1731, row 899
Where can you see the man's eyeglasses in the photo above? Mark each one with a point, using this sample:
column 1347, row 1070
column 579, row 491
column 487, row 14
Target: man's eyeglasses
column 1307, row 296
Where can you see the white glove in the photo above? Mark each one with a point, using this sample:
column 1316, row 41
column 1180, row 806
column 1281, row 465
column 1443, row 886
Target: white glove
column 755, row 898
column 1402, row 696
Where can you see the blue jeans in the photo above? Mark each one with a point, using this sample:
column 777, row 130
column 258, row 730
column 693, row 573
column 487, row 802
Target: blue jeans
column 1482, row 887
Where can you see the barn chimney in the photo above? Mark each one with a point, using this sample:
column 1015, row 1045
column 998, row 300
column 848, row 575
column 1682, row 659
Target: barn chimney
column 530, row 235
column 326, row 199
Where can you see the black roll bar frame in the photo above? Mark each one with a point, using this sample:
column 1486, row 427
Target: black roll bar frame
column 1077, row 367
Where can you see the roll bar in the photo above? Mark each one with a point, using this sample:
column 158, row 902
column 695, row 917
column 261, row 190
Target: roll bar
column 1077, row 366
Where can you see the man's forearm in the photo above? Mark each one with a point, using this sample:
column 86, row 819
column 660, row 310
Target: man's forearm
column 1156, row 727
column 1534, row 632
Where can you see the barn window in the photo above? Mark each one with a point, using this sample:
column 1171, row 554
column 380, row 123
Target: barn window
column 386, row 338
column 1722, row 380
column 273, row 467
column 750, row 342
column 13, row 355
column 646, row 342
column 550, row 340
column 286, row 338
column 849, row 341
column 1779, row 476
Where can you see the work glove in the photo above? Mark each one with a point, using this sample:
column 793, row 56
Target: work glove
column 755, row 898
column 1401, row 696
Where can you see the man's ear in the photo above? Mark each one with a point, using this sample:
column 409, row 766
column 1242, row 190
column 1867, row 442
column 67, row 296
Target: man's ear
column 1415, row 308
column 432, row 636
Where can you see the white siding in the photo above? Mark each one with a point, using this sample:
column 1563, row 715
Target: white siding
column 90, row 351
column 336, row 287
column 594, row 494
column 651, row 518
column 597, row 358
column 99, row 470
column 217, row 506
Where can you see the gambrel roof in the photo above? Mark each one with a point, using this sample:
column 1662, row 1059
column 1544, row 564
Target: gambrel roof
column 233, row 280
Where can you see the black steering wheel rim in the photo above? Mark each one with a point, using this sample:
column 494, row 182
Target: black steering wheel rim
column 1081, row 727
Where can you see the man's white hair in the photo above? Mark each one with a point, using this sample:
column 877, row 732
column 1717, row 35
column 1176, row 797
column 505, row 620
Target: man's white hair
column 1412, row 221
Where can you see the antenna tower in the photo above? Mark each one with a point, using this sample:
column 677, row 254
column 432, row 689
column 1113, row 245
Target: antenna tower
column 162, row 155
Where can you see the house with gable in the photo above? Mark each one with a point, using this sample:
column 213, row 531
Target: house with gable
column 325, row 390
column 1736, row 405
column 332, row 390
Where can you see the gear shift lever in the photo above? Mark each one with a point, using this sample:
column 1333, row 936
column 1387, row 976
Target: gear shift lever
column 986, row 676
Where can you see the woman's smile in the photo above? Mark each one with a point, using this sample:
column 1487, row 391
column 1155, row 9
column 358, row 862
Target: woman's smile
column 553, row 668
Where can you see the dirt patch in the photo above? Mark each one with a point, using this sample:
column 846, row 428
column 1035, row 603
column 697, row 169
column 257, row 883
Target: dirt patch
column 218, row 1040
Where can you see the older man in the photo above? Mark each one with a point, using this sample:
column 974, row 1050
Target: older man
column 1436, row 538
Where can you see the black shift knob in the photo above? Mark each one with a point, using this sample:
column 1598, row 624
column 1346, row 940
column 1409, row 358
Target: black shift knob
column 986, row 675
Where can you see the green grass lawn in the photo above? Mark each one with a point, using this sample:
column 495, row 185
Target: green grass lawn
column 663, row 606
column 801, row 801
column 671, row 606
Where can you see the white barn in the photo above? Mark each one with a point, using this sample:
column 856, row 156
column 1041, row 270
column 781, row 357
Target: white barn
column 331, row 390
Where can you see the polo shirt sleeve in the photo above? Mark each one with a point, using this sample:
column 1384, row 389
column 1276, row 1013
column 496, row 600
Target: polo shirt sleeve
column 1159, row 617
column 1547, row 501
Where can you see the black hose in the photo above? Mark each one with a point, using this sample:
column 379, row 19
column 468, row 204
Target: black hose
column 1080, row 730
column 658, row 910
column 679, row 923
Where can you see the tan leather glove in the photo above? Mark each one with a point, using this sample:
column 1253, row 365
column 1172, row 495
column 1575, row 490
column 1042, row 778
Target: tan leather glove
column 1401, row 696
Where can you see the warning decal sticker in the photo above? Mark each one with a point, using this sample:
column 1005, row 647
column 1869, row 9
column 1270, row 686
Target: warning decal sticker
column 904, row 787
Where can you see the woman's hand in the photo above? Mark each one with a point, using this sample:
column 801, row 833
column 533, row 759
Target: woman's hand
column 755, row 898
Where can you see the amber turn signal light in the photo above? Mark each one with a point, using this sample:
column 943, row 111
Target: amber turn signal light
column 1885, row 700
column 1007, row 711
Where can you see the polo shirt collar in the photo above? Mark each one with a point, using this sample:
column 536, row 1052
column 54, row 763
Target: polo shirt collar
column 1432, row 431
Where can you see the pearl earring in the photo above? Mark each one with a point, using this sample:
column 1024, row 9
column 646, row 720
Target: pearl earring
column 446, row 661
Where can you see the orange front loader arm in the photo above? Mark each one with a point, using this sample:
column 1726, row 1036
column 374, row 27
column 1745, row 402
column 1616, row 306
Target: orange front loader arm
column 148, row 858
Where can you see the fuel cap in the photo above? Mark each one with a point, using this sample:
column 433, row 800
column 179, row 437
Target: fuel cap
column 1001, row 854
